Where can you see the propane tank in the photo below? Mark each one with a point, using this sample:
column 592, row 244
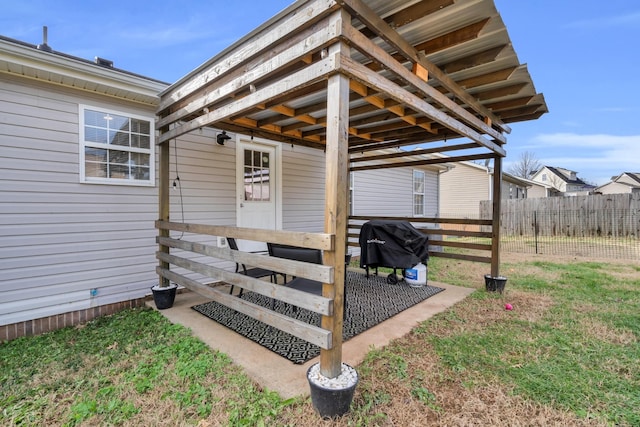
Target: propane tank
column 416, row 276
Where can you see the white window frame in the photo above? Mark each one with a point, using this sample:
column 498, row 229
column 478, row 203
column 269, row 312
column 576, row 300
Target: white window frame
column 418, row 193
column 151, row 182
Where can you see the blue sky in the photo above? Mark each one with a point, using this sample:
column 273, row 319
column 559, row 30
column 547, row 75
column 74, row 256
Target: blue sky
column 582, row 54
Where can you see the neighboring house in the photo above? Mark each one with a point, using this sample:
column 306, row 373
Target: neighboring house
column 79, row 197
column 565, row 182
column 537, row 189
column 464, row 186
column 626, row 182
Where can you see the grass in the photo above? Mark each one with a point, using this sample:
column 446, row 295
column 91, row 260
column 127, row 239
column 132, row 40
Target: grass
column 566, row 355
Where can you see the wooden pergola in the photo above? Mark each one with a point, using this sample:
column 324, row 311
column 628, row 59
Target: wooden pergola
column 349, row 77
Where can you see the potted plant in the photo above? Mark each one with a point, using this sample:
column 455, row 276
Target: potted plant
column 164, row 296
column 331, row 397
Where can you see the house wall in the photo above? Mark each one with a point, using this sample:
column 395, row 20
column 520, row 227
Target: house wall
column 389, row 192
column 303, row 189
column 536, row 191
column 462, row 189
column 614, row 188
column 60, row 239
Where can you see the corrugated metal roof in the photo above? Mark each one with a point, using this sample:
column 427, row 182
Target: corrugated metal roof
column 466, row 39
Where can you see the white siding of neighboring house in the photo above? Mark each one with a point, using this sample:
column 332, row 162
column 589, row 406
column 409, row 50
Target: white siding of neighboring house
column 462, row 189
column 60, row 238
column 614, row 188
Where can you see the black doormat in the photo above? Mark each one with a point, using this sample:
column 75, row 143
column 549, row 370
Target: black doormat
column 369, row 302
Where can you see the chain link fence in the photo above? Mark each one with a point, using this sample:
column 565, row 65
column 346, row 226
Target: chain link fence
column 588, row 233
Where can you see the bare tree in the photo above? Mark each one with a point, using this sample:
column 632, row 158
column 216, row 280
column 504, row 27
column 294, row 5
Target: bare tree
column 526, row 166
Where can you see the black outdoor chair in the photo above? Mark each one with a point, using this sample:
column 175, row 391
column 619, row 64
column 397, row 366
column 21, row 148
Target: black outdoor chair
column 313, row 256
column 254, row 272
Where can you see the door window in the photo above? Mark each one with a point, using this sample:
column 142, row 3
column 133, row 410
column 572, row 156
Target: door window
column 257, row 176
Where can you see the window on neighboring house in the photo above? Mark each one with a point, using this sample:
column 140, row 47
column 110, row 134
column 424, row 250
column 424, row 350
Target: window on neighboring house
column 418, row 193
column 116, row 148
column 544, row 177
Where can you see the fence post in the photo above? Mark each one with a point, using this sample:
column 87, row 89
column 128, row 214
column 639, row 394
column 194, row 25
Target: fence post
column 535, row 229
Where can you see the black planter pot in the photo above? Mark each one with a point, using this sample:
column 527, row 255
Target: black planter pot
column 494, row 283
column 164, row 296
column 331, row 402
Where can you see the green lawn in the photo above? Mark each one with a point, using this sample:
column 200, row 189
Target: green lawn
column 566, row 355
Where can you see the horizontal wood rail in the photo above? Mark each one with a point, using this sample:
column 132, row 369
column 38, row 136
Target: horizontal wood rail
column 311, row 333
column 320, row 241
column 321, row 273
column 435, row 235
column 302, row 299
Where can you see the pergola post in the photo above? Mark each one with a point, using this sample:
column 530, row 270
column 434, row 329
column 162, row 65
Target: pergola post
column 163, row 204
column 495, row 226
column 335, row 214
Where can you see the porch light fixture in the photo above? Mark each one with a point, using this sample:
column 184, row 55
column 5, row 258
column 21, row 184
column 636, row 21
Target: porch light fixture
column 222, row 137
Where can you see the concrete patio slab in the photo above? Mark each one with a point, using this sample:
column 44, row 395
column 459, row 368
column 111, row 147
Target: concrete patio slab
column 277, row 373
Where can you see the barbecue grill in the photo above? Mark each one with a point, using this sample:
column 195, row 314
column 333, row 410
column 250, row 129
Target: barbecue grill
column 392, row 244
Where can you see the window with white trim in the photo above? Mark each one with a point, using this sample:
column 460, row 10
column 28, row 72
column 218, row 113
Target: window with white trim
column 116, row 147
column 418, row 193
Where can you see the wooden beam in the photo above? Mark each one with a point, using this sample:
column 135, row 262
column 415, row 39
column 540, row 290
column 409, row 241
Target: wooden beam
column 379, row 83
column 420, row 152
column 164, row 207
column 496, row 201
column 365, row 45
column 414, row 163
column 307, row 76
column 366, row 15
column 336, row 202
column 302, row 330
column 294, row 238
column 311, row 12
column 322, row 273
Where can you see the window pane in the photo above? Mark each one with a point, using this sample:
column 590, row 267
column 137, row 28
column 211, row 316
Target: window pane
column 118, row 171
column 140, row 172
column 95, row 118
column 140, row 141
column 119, row 138
column 247, row 158
column 119, row 123
column 120, row 157
column 95, row 135
column 140, row 159
column 141, row 126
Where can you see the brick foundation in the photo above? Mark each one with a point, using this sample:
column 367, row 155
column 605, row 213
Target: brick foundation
column 59, row 321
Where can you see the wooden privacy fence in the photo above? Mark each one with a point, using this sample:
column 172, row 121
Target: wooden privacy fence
column 612, row 215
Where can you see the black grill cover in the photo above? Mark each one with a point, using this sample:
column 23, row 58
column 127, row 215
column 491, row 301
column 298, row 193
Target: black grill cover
column 396, row 244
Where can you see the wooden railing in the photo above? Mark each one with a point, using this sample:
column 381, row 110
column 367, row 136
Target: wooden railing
column 315, row 303
column 436, row 234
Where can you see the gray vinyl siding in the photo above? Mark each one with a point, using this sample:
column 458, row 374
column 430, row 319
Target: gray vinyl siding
column 60, row 238
column 389, row 192
column 303, row 189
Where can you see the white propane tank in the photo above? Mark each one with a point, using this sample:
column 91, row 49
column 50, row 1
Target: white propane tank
column 416, row 276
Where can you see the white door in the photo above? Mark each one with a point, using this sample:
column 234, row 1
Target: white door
column 257, row 190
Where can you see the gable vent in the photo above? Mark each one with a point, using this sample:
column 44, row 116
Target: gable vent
column 103, row 62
